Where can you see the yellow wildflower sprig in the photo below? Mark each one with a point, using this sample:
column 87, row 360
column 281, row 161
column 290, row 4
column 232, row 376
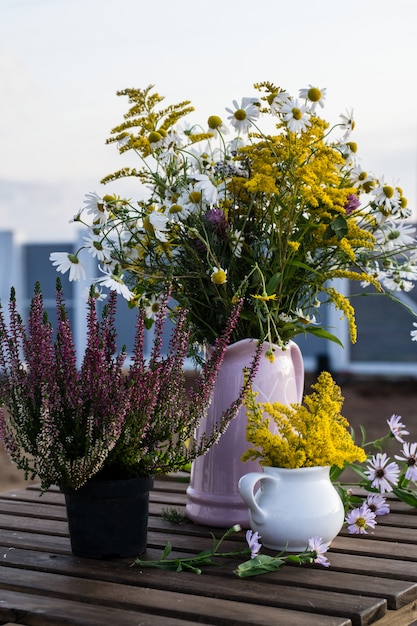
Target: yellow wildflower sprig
column 309, row 435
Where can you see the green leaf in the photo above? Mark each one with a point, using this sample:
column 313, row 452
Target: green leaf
column 317, row 331
column 167, row 550
column 273, row 283
column 406, row 496
column 261, row 564
column 338, row 228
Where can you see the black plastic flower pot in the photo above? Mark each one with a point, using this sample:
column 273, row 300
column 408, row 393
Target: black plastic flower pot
column 109, row 519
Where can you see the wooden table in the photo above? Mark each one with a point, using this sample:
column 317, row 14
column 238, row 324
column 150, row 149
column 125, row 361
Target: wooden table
column 372, row 579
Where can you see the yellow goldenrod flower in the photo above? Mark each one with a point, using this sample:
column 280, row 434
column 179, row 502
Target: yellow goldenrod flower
column 308, row 435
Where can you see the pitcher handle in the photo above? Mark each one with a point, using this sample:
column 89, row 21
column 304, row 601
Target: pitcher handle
column 246, row 488
column 298, row 363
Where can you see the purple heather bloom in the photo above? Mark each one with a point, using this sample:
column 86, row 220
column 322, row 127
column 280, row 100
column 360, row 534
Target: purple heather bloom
column 319, row 548
column 409, row 451
column 352, row 203
column 397, row 428
column 359, row 520
column 383, row 476
column 253, row 542
column 377, row 503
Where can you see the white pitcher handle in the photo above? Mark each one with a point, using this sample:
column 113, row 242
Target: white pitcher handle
column 246, row 488
column 298, row 364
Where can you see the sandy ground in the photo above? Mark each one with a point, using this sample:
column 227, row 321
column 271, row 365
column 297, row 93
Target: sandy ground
column 369, row 403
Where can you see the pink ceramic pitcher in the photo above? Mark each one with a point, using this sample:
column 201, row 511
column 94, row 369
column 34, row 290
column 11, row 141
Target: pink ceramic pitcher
column 212, row 496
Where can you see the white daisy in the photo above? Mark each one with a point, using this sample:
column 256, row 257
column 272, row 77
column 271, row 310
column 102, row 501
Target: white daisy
column 277, row 102
column 236, row 241
column 296, row 116
column 96, row 246
column 348, row 123
column 96, row 207
column 115, row 283
column 314, row 95
column 98, row 294
column 218, row 276
column 159, row 223
column 244, row 115
column 361, row 179
column 206, row 186
column 413, row 333
column 64, row 261
column 176, row 212
column 387, row 198
column 395, row 235
column 152, row 306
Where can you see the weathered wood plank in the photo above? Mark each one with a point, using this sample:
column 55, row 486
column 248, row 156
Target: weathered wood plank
column 404, row 617
column 43, row 611
column 33, row 524
column 374, row 547
column 198, row 600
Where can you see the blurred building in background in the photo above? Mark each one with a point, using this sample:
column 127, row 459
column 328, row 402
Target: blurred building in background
column 384, row 346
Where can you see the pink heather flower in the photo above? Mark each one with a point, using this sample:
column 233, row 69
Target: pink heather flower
column 317, row 546
column 377, row 503
column 359, row 520
column 383, row 476
column 409, row 451
column 253, row 542
column 397, row 428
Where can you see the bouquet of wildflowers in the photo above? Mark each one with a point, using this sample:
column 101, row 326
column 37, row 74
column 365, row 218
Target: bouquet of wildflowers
column 67, row 425
column 269, row 205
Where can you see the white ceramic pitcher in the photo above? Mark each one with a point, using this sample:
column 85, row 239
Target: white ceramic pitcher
column 288, row 506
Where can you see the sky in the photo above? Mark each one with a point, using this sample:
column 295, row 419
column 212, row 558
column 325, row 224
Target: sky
column 62, row 62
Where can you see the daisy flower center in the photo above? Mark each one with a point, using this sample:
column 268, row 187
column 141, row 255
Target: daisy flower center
column 297, row 114
column 154, row 137
column 214, row 121
column 240, row 115
column 388, row 191
column 175, row 208
column 195, row 197
column 314, row 94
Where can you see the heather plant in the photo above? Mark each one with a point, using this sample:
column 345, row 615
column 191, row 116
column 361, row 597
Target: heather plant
column 67, row 425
